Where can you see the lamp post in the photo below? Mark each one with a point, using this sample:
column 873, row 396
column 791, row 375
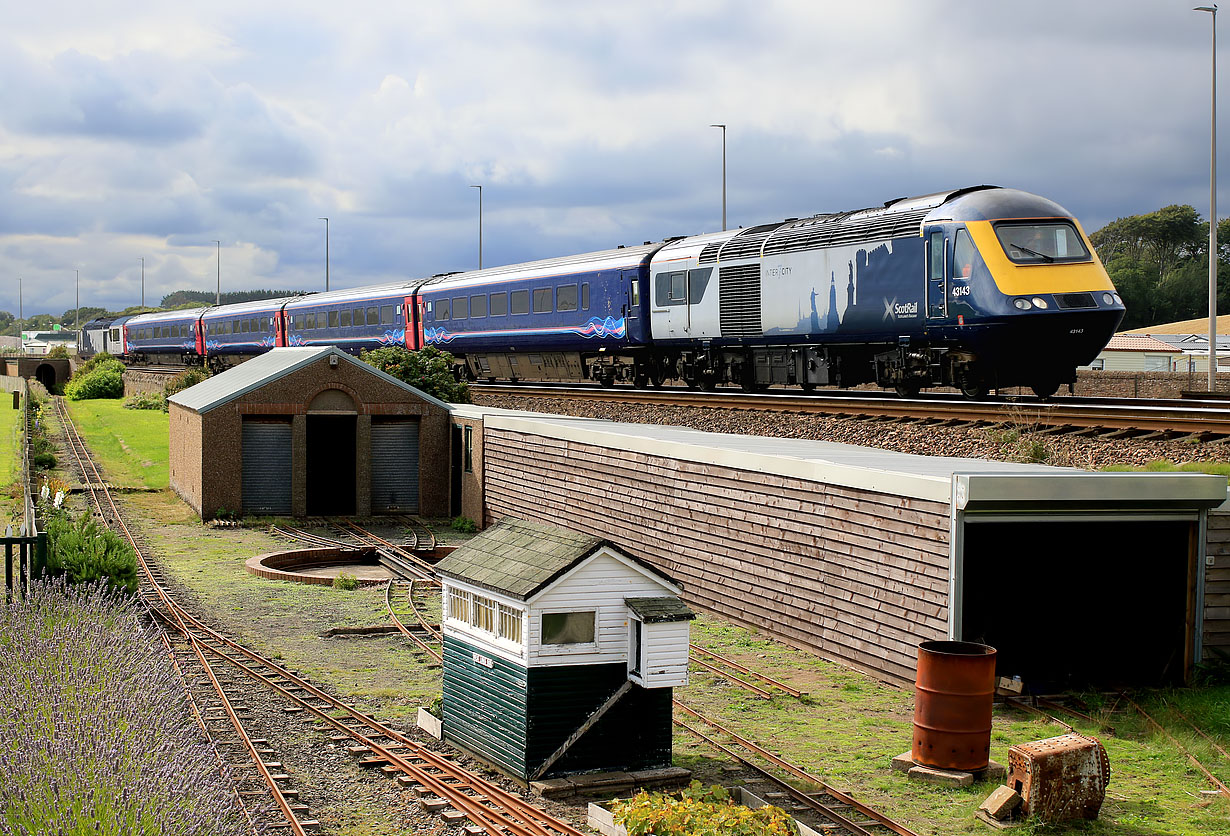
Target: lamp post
column 1212, row 10
column 143, row 281
column 77, row 319
column 723, row 127
column 326, row 220
column 21, row 316
column 218, row 292
column 480, row 225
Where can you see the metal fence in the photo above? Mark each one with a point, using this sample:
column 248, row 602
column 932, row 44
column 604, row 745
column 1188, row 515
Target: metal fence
column 25, row 553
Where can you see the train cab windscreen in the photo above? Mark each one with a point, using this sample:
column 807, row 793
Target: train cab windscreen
column 1041, row 242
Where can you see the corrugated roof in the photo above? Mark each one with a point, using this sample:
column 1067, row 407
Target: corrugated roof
column 1139, row 342
column 517, row 557
column 660, row 610
column 272, row 365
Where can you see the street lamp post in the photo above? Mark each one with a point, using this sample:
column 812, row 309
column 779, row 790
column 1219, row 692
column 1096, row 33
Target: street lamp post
column 143, row 281
column 218, row 292
column 480, row 225
column 326, row 220
column 723, row 127
column 1212, row 10
column 77, row 319
column 21, row 316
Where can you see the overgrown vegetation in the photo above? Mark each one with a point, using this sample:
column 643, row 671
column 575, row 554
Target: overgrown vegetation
column 82, row 551
column 188, row 377
column 146, row 400
column 100, row 360
column 698, row 811
column 345, row 582
column 95, row 736
column 131, row 443
column 429, row 370
column 57, row 352
column 96, row 379
column 42, row 448
column 465, row 525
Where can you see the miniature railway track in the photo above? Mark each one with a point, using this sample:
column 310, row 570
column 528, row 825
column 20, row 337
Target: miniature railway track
column 730, row 663
column 1125, row 417
column 845, row 813
column 486, row 805
column 1156, row 726
column 410, row 634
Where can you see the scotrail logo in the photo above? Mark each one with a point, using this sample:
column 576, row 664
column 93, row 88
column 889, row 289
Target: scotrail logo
column 903, row 310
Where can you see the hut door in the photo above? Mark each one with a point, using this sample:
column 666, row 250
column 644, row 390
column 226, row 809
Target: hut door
column 636, row 647
column 266, row 467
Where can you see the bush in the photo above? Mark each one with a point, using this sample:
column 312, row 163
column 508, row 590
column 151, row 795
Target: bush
column 82, row 551
column 185, row 379
column 429, row 370
column 146, row 400
column 100, row 360
column 103, row 382
column 463, row 524
column 699, row 811
column 345, row 582
column 58, row 352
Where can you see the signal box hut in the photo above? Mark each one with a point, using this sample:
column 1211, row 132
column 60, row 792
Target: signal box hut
column 560, row 652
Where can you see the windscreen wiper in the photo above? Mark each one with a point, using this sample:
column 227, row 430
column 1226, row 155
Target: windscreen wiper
column 1043, row 256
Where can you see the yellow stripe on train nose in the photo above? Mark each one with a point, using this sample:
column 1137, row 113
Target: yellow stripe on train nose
column 1030, row 279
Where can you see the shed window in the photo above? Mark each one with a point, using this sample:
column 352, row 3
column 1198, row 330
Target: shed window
column 333, row 319
column 478, row 307
column 344, row 319
column 568, row 627
column 484, row 613
column 499, row 303
column 520, row 301
column 542, row 300
column 386, row 314
column 566, row 297
column 373, row 316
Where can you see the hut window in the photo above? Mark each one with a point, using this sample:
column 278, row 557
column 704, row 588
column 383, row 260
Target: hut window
column 484, row 613
column 568, row 628
column 510, row 623
column 459, row 605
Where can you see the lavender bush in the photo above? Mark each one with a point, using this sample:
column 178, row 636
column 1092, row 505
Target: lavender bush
column 95, row 733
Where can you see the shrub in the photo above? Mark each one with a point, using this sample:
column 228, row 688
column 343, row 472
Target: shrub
column 429, row 370
column 82, row 551
column 103, row 382
column 58, row 352
column 185, row 379
column 95, row 735
column 699, row 811
column 345, row 582
column 146, row 400
column 100, row 360
column 463, row 524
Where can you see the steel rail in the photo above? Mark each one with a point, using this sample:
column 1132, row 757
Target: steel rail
column 388, row 602
column 535, row 822
column 81, row 454
column 1221, row 751
column 794, row 692
column 425, row 570
column 1209, row 776
column 755, row 689
column 1030, row 708
column 416, row 523
column 1179, row 417
column 797, row 772
column 433, row 630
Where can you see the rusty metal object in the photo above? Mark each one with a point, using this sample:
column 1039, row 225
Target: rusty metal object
column 954, row 694
column 1060, row 778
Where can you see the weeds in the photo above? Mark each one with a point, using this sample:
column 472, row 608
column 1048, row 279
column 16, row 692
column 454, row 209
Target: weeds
column 345, row 582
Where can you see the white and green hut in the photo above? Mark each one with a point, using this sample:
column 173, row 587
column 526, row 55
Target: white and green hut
column 560, row 652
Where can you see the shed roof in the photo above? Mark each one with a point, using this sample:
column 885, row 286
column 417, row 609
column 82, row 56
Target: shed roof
column 1139, row 342
column 519, row 558
column 270, row 366
column 660, row 610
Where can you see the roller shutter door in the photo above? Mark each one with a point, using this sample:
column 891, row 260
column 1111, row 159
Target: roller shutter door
column 266, row 467
column 395, row 467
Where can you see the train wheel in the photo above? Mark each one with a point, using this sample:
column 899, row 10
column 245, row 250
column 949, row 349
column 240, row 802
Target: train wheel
column 974, row 390
column 807, row 386
column 640, row 379
column 1045, row 389
column 908, row 390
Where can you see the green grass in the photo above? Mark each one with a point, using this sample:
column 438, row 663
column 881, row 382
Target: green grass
column 11, row 438
column 1164, row 466
column 130, row 444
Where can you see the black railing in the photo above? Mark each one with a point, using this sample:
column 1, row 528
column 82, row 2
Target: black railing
column 25, row 553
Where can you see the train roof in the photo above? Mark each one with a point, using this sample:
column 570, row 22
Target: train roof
column 162, row 316
column 995, row 204
column 224, row 311
column 621, row 257
column 355, row 294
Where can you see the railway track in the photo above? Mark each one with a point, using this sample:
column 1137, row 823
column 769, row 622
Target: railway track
column 486, row 805
column 1121, row 418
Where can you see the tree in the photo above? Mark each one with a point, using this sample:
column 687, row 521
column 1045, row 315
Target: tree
column 429, row 370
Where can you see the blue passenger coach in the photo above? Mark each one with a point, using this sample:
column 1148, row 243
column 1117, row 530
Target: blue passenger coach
column 235, row 332
column 353, row 320
column 169, row 337
column 548, row 319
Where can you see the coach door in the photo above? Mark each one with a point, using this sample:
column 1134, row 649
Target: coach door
column 395, row 467
column 266, row 467
column 937, row 274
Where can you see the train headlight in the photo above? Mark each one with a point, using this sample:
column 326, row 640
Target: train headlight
column 1118, row 299
column 1021, row 304
column 1108, row 299
column 1039, row 302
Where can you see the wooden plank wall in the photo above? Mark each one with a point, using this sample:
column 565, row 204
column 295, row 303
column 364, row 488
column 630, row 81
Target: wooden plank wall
column 851, row 575
column 1217, row 588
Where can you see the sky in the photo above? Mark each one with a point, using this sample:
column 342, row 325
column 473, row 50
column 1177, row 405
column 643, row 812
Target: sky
column 138, row 130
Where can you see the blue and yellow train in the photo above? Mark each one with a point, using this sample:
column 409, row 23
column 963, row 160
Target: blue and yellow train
column 978, row 288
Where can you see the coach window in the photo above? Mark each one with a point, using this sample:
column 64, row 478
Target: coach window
column 373, row 316
column 460, row 307
column 499, row 303
column 585, row 296
column 442, row 311
column 542, row 300
column 358, row 317
column 636, row 293
column 478, row 307
column 344, row 319
column 566, row 297
column 386, row 314
column 333, row 320
column 245, row 325
column 519, row 301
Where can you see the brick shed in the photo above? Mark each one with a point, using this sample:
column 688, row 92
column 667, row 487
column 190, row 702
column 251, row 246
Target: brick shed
column 305, row 431
column 858, row 554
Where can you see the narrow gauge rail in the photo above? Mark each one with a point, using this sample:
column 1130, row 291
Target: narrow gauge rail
column 1205, row 419
column 487, row 805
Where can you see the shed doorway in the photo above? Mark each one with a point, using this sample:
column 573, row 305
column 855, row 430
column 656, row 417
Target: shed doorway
column 1103, row 603
column 331, row 473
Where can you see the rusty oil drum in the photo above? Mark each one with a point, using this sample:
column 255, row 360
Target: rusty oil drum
column 954, row 693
